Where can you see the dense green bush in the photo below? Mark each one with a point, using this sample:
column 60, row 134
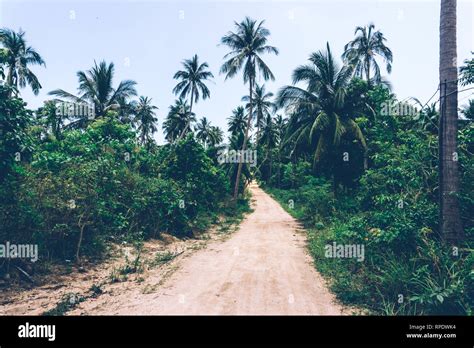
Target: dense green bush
column 99, row 185
column 393, row 212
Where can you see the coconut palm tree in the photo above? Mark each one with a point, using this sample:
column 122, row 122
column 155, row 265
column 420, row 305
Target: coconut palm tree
column 361, row 53
column 175, row 124
column 203, row 129
column 235, row 144
column 192, row 82
column 318, row 113
column 216, row 136
column 237, row 123
column 18, row 57
column 269, row 132
column 280, row 127
column 145, row 120
column 126, row 110
column 95, row 87
column 262, row 106
column 268, row 141
column 247, row 45
column 450, row 219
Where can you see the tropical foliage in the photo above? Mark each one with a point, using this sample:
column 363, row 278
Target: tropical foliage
column 246, row 46
column 17, row 57
column 336, row 147
column 361, row 53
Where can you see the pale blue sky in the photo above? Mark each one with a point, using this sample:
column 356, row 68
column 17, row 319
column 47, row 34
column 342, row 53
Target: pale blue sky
column 154, row 38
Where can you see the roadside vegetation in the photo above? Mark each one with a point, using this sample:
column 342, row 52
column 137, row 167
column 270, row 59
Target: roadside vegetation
column 84, row 170
column 359, row 167
column 339, row 150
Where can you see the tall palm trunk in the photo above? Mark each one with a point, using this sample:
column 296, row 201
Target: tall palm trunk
column 244, row 145
column 10, row 76
column 258, row 129
column 450, row 221
column 10, row 82
column 190, row 112
column 367, row 71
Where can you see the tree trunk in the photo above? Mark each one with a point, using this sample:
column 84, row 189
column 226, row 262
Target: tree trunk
column 10, row 80
column 10, row 76
column 449, row 216
column 367, row 71
column 249, row 123
column 190, row 112
column 257, row 138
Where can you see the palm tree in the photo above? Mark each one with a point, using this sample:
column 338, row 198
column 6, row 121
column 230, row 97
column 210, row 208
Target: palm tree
column 318, row 113
column 361, row 53
column 262, row 106
column 192, row 82
column 246, row 45
column 126, row 110
column 450, row 219
column 269, row 132
column 17, row 57
column 235, row 144
column 203, row 129
column 238, row 121
column 95, row 87
column 216, row 136
column 268, row 140
column 280, row 128
column 145, row 120
column 179, row 116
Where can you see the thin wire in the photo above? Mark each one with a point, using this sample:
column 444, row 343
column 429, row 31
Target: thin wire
column 457, row 91
column 430, row 98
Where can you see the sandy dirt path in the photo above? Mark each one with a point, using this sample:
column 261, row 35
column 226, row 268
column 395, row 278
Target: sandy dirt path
column 263, row 268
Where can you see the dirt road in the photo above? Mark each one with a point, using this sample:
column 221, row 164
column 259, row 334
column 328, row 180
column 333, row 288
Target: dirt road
column 263, row 268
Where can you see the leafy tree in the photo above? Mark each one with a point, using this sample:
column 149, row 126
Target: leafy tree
column 467, row 72
column 208, row 135
column 468, row 110
column 96, row 87
column 15, row 142
column 203, row 129
column 237, row 123
column 362, row 51
column 262, row 106
column 216, row 136
column 247, row 45
column 192, row 83
column 126, row 112
column 318, row 113
column 18, row 57
column 179, row 116
column 145, row 120
column 53, row 120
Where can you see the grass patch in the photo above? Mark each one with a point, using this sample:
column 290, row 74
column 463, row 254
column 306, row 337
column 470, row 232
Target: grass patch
column 391, row 280
column 68, row 302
